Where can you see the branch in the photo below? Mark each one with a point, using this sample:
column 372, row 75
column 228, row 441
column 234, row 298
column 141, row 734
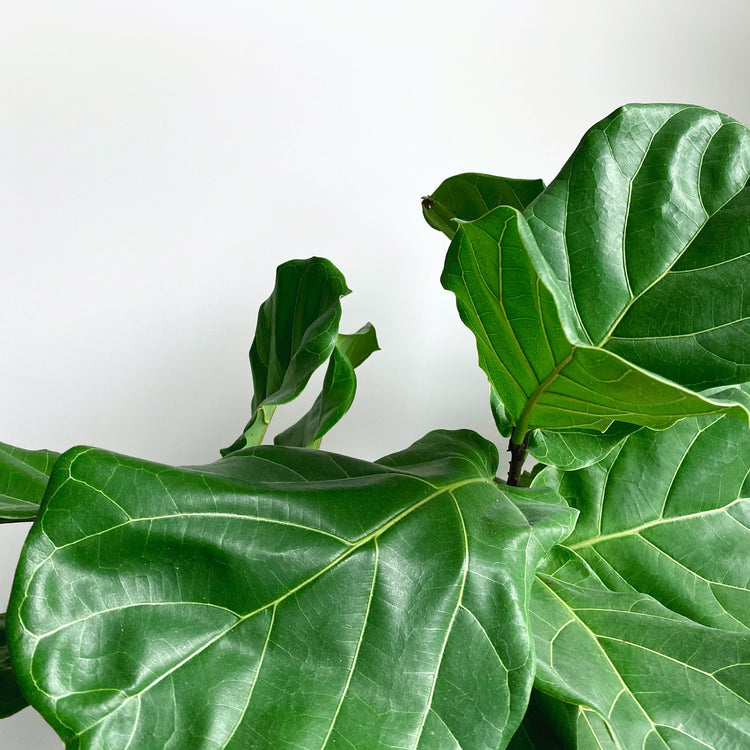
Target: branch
column 517, row 458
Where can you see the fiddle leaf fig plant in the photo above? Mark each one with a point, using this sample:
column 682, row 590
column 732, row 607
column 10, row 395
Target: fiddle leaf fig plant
column 287, row 597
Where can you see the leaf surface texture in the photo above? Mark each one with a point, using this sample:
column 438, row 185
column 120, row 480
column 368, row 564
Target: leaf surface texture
column 283, row 598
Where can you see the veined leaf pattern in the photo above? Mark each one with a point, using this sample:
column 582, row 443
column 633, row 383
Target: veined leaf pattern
column 647, row 228
column 652, row 590
column 530, row 345
column 640, row 248
column 283, row 598
column 645, row 676
column 682, row 534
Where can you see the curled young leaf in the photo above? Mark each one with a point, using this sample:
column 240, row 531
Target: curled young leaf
column 296, row 333
column 337, row 394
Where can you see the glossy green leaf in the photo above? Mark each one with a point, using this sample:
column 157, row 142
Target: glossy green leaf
column 647, row 229
column 23, row 479
column 652, row 591
column 296, row 332
column 530, row 346
column 502, row 422
column 283, row 598
column 668, row 514
column 574, row 449
column 337, row 394
column 644, row 676
column 468, row 196
column 11, row 700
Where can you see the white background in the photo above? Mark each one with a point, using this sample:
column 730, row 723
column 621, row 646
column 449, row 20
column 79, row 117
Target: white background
column 159, row 159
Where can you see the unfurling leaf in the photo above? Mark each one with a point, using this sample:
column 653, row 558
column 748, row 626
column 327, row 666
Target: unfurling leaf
column 296, row 333
column 337, row 394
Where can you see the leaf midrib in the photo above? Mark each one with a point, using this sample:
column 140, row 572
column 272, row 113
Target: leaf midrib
column 572, row 613
column 636, row 530
column 338, row 559
column 608, row 334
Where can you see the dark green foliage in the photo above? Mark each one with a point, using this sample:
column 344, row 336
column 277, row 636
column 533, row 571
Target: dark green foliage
column 284, row 597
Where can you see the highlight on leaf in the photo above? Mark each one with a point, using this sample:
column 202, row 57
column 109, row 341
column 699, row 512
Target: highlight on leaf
column 311, row 596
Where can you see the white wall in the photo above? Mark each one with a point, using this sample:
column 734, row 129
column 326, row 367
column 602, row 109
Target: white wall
column 158, row 160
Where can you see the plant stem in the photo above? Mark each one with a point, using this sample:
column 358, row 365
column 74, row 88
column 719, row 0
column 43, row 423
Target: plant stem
column 517, row 457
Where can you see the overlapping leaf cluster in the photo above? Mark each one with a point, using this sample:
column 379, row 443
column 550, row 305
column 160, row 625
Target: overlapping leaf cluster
column 616, row 299
column 283, row 597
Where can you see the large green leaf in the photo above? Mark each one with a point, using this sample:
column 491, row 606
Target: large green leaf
column 283, row 598
column 642, row 675
column 647, row 228
column 296, row 333
column 530, row 345
column 668, row 514
column 652, row 591
column 640, row 248
column 11, row 700
column 466, row 197
column 23, row 478
column 337, row 394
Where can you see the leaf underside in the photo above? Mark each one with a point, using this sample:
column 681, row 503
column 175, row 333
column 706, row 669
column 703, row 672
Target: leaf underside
column 283, row 598
column 544, row 375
